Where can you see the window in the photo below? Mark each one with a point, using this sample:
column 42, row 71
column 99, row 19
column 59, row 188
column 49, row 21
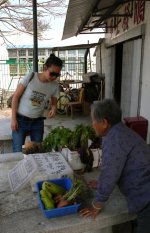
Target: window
column 12, row 66
column 81, row 52
column 81, row 67
column 63, row 67
column 49, row 51
column 41, row 52
column 13, row 69
column 71, row 53
column 22, row 53
column 41, row 60
column 72, row 59
column 30, row 60
column 30, row 52
column 81, row 59
column 12, row 53
column 62, row 55
column 30, row 63
column 72, row 67
column 22, row 66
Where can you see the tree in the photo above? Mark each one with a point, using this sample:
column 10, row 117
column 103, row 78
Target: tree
column 18, row 17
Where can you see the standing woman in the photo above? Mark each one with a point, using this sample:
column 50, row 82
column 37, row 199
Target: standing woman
column 29, row 100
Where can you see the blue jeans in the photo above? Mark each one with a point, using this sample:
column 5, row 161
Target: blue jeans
column 34, row 128
column 143, row 220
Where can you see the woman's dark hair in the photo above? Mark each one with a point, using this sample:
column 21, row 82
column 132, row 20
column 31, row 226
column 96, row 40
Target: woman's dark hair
column 53, row 60
column 106, row 109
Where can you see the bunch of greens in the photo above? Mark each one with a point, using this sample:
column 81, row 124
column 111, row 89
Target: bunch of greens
column 61, row 137
column 58, row 138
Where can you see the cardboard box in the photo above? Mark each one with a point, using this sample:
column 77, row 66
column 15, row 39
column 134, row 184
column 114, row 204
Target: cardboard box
column 50, row 165
column 37, row 167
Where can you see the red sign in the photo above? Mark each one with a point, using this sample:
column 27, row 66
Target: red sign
column 139, row 10
column 127, row 11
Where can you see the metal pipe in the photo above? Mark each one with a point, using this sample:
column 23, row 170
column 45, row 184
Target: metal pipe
column 35, row 40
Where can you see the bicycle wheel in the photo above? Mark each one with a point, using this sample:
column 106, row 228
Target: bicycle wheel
column 61, row 104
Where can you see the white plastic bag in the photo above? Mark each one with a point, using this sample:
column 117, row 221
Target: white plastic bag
column 97, row 154
column 74, row 160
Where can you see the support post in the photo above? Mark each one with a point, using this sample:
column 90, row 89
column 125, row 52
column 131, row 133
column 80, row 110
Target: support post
column 35, row 40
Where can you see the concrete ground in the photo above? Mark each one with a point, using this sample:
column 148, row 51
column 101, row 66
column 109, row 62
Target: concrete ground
column 68, row 122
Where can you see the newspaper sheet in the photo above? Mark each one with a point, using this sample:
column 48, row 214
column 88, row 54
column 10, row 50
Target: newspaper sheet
column 22, row 173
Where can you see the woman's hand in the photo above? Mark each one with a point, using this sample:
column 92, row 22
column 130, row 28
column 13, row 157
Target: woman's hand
column 52, row 112
column 14, row 124
column 53, row 102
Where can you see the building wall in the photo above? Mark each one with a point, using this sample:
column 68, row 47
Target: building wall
column 73, row 59
column 145, row 92
column 128, row 28
column 20, row 62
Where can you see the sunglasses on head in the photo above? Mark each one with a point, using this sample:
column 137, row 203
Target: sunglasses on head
column 54, row 74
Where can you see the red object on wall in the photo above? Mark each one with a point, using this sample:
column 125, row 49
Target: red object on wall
column 138, row 124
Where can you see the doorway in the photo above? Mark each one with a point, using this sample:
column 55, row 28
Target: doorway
column 127, row 72
column 131, row 75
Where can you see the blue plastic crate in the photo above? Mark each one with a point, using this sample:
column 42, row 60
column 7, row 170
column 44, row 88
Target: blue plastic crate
column 66, row 183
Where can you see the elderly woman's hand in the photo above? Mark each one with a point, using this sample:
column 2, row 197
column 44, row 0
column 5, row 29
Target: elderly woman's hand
column 89, row 212
column 92, row 211
column 92, row 184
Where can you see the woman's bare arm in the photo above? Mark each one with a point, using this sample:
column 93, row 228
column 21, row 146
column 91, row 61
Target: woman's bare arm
column 15, row 101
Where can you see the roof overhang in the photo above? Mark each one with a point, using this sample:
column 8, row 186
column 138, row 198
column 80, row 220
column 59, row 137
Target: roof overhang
column 74, row 47
column 90, row 16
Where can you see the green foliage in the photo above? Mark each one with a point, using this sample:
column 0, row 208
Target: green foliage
column 61, row 137
column 57, row 139
column 74, row 191
column 83, row 133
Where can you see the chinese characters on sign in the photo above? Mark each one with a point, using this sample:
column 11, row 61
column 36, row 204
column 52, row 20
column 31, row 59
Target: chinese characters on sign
column 139, row 10
column 127, row 11
column 135, row 13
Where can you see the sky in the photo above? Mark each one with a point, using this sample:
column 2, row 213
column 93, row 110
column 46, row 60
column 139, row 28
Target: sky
column 54, row 35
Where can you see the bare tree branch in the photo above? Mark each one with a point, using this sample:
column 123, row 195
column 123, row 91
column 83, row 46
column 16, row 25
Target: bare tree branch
column 19, row 17
column 3, row 2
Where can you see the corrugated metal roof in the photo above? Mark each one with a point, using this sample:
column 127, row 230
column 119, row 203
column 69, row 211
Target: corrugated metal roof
column 76, row 13
column 86, row 15
column 74, row 47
